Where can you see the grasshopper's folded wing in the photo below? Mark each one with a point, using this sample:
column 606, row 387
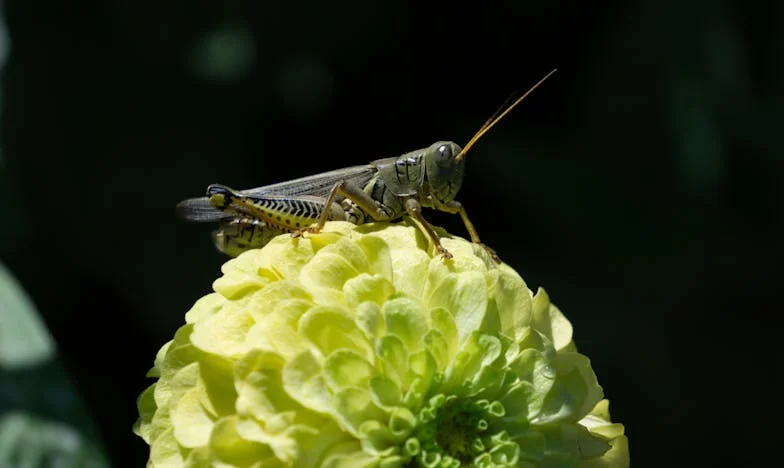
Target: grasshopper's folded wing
column 318, row 185
column 200, row 210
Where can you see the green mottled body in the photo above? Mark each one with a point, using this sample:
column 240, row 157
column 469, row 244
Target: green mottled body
column 383, row 190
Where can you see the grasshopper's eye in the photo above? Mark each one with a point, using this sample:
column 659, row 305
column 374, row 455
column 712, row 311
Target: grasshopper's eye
column 445, row 152
column 442, row 154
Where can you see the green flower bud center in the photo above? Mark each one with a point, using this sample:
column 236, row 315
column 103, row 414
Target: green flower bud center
column 455, row 431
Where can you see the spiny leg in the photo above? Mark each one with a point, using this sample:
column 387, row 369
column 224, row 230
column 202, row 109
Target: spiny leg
column 276, row 212
column 414, row 210
column 453, row 207
column 230, row 201
column 353, row 193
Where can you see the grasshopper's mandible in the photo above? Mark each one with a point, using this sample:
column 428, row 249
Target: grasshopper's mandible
column 384, row 190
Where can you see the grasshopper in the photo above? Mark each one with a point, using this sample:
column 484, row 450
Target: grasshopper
column 384, row 190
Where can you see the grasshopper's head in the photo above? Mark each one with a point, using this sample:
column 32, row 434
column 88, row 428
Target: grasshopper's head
column 445, row 160
column 444, row 169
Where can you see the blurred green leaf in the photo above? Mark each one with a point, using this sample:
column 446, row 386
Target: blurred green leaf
column 31, row 380
column 24, row 340
column 30, row 442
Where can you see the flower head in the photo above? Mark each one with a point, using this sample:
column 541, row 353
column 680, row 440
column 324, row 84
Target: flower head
column 357, row 347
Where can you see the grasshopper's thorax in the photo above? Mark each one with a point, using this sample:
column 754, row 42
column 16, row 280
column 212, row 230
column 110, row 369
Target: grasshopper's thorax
column 443, row 172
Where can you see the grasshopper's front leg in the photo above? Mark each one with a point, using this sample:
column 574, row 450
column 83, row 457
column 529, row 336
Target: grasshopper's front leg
column 453, row 207
column 414, row 209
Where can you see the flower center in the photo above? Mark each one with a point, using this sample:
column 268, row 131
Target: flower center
column 455, row 432
column 457, row 428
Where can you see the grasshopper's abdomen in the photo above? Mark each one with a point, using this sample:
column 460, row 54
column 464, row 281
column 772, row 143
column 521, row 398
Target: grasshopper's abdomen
column 237, row 235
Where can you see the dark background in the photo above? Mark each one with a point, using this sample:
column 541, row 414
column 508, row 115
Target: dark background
column 640, row 185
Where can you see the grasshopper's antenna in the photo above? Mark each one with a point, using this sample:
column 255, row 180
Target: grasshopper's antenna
column 498, row 111
column 494, row 120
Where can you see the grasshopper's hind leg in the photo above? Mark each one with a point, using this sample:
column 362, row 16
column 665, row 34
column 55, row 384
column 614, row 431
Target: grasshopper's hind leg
column 353, row 193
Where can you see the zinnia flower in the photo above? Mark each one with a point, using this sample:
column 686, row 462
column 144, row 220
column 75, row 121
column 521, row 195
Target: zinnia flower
column 358, row 347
